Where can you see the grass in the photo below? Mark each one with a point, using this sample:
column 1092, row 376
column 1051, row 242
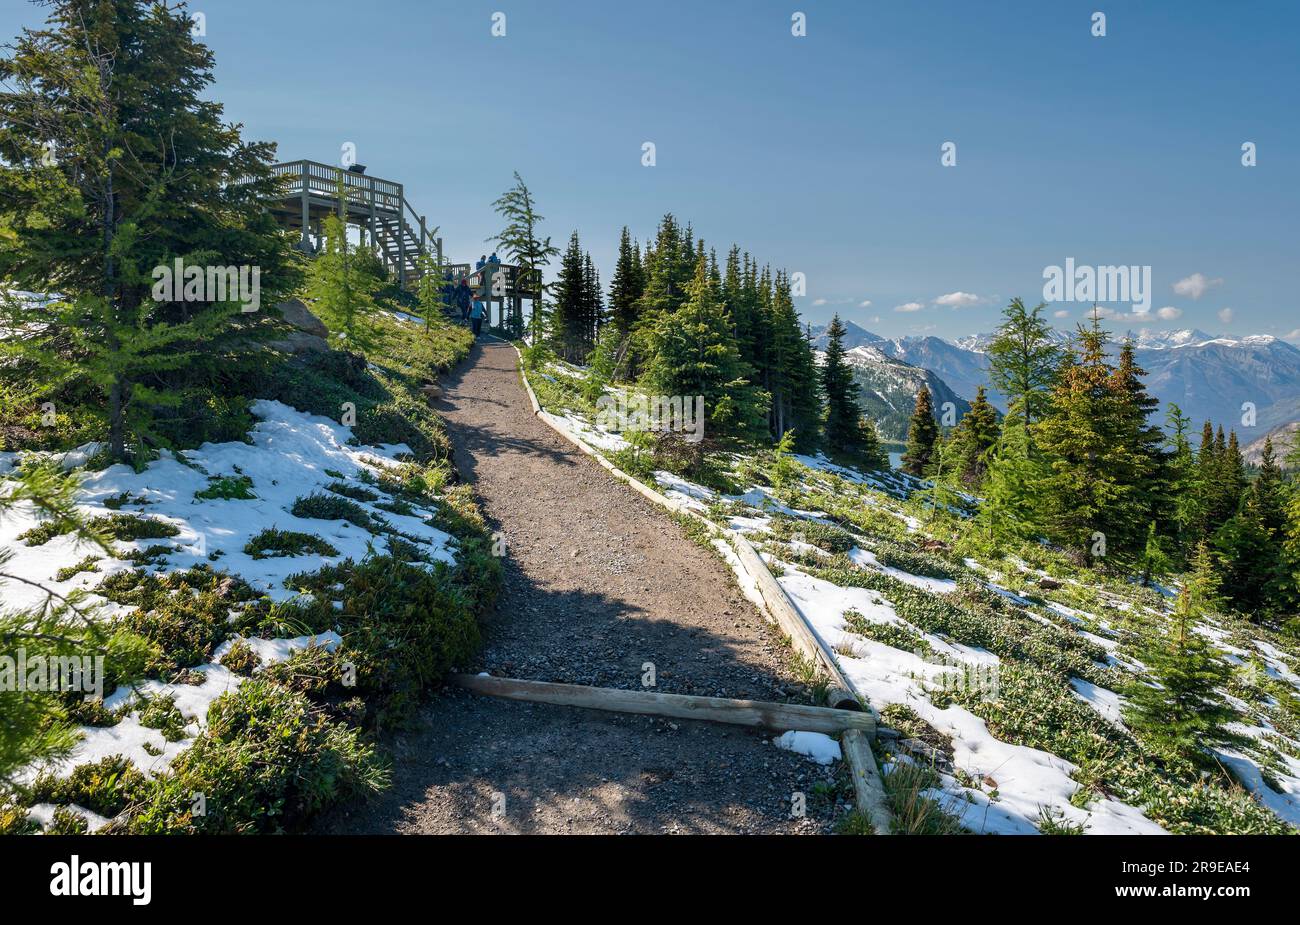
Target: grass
column 273, row 542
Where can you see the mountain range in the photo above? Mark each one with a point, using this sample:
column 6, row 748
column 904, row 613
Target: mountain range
column 1209, row 377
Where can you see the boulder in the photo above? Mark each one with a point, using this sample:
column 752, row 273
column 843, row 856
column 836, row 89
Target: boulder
column 300, row 342
column 297, row 314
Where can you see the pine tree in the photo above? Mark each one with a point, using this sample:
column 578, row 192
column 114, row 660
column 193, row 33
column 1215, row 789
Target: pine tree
column 922, row 432
column 521, row 240
column 112, row 164
column 692, row 353
column 1185, row 713
column 972, row 441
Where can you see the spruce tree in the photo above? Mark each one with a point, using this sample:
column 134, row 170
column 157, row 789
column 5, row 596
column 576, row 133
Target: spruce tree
column 972, row 441
column 112, row 165
column 922, row 432
column 568, row 323
column 691, row 352
column 795, row 385
column 1183, row 485
column 1091, row 495
column 1185, row 713
column 844, row 433
column 626, row 287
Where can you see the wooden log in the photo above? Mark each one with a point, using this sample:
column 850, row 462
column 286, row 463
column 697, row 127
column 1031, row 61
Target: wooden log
column 790, row 621
column 868, row 788
column 757, row 713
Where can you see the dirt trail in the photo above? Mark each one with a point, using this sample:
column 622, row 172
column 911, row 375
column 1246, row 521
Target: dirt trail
column 598, row 582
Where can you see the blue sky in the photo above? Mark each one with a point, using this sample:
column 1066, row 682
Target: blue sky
column 821, row 153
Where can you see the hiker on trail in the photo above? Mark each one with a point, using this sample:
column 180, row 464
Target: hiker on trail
column 494, row 258
column 462, row 299
column 482, row 259
column 476, row 318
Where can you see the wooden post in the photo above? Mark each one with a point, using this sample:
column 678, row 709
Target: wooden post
column 306, row 209
column 400, row 228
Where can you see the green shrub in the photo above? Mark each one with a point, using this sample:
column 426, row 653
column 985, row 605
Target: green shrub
column 241, row 659
column 160, row 712
column 106, row 787
column 824, row 536
column 229, row 488
column 268, row 761
column 406, row 626
column 319, row 506
column 273, row 542
column 70, row 571
column 130, row 527
column 355, row 492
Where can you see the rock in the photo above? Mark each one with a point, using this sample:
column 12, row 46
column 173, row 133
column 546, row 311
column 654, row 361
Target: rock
column 300, row 342
column 1048, row 584
column 432, row 390
column 297, row 314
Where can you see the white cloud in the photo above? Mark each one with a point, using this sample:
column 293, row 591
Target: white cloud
column 1169, row 313
column 1294, row 335
column 1225, row 315
column 909, row 307
column 819, row 301
column 1061, row 313
column 865, row 303
column 1196, row 285
column 957, row 299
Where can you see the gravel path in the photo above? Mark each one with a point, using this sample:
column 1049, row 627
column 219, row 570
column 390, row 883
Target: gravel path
column 598, row 582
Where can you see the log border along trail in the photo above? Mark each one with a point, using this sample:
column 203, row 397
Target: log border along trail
column 602, row 589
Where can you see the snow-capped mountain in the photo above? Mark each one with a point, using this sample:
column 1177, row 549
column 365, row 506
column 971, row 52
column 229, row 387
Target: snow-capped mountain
column 887, row 389
column 1209, row 377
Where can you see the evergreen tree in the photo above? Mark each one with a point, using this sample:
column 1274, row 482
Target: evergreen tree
column 627, row 286
column 844, row 433
column 521, row 240
column 1091, row 496
column 35, row 725
column 1023, row 361
column 922, row 432
column 972, row 441
column 568, row 324
column 1182, row 482
column 113, row 164
column 794, row 381
column 1185, row 713
column 343, row 284
column 692, row 353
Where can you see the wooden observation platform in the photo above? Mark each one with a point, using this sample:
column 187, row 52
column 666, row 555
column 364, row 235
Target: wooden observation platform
column 387, row 221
